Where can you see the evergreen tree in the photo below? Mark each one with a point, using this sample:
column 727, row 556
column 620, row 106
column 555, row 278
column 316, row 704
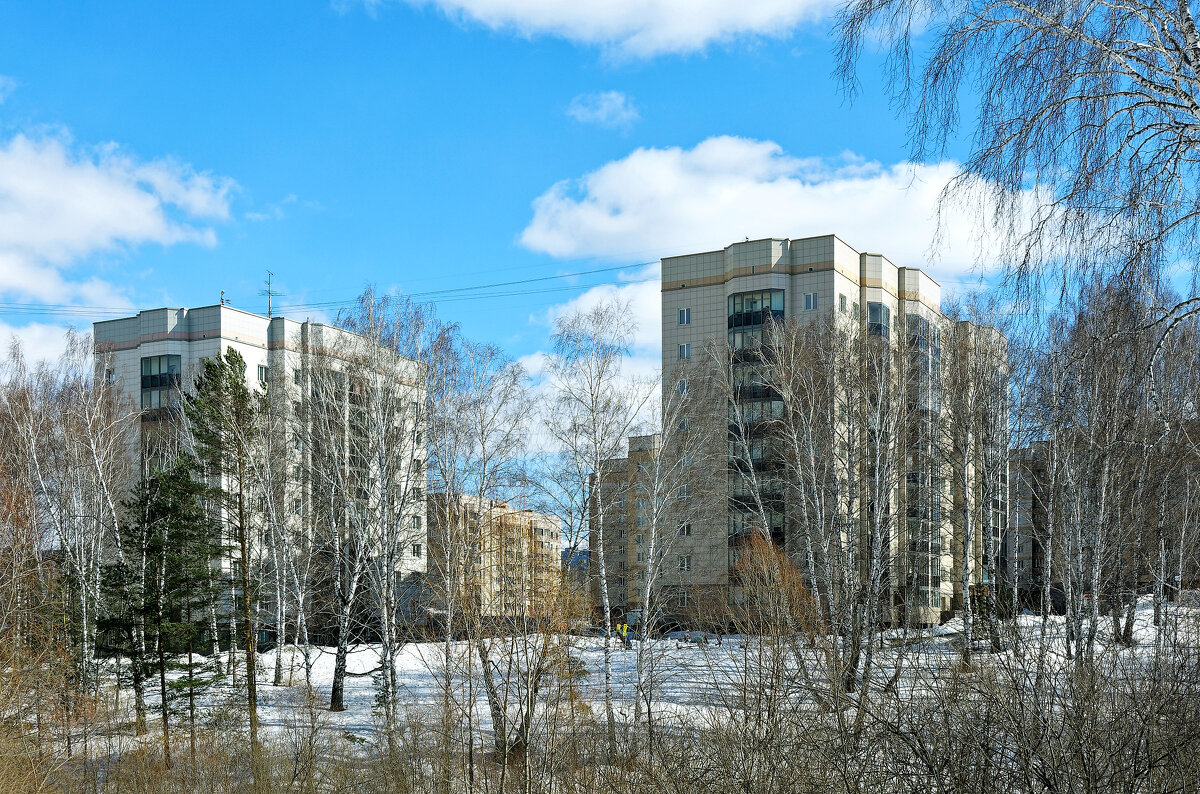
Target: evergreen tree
column 224, row 415
column 163, row 587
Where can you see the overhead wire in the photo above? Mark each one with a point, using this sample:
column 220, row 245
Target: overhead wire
column 446, row 295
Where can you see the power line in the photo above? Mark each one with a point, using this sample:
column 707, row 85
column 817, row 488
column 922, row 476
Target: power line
column 447, row 295
column 451, row 291
column 61, row 310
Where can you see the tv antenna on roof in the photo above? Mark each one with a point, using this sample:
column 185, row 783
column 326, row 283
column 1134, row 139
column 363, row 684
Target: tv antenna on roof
column 270, row 292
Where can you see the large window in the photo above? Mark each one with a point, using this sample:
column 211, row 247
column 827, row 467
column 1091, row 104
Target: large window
column 685, row 316
column 755, row 308
column 879, row 319
column 810, row 301
column 160, row 377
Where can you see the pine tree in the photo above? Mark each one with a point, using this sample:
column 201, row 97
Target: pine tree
column 162, row 587
column 224, row 417
column 190, row 542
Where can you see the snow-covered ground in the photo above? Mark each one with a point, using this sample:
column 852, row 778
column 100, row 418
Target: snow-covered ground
column 691, row 679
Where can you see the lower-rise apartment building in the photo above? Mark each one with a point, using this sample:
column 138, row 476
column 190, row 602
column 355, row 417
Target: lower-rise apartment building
column 490, row 561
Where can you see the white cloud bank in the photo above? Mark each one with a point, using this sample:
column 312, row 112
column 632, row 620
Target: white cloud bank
column 61, row 204
column 604, row 108
column 660, row 202
column 635, row 28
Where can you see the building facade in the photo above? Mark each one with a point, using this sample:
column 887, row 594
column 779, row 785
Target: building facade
column 645, row 525
column 730, row 301
column 491, row 561
column 343, row 416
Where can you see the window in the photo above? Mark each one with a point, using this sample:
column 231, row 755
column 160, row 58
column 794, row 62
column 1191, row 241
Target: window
column 755, row 308
column 296, row 407
column 110, row 377
column 415, row 521
column 641, row 521
column 685, row 352
column 810, row 301
column 641, row 556
column 683, row 423
column 416, row 550
column 685, row 316
column 296, row 473
column 685, row 530
column 842, row 303
column 681, row 492
column 878, row 319
column 262, row 373
column 639, row 538
column 681, row 387
column 297, row 506
column 160, row 381
column 296, row 376
column 685, row 563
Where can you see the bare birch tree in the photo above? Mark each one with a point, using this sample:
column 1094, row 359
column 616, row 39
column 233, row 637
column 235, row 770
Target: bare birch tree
column 594, row 405
column 388, row 360
column 1087, row 119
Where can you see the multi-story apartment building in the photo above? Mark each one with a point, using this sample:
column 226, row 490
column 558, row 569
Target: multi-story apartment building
column 493, row 561
column 1027, row 562
column 731, row 298
column 326, row 391
column 641, row 538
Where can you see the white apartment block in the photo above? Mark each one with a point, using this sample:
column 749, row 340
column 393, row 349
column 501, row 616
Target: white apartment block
column 154, row 356
column 728, row 296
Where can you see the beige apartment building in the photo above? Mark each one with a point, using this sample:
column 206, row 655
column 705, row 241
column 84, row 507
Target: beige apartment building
column 729, row 298
column 493, row 561
column 646, row 515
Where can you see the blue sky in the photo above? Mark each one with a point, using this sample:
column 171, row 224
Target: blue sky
column 157, row 154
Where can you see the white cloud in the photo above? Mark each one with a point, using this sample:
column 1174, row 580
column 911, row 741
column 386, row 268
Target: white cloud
column 637, row 28
column 275, row 210
column 39, row 341
column 660, row 202
column 7, row 86
column 605, row 108
column 642, row 292
column 61, row 204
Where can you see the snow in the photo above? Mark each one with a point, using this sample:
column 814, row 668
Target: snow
column 691, row 679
